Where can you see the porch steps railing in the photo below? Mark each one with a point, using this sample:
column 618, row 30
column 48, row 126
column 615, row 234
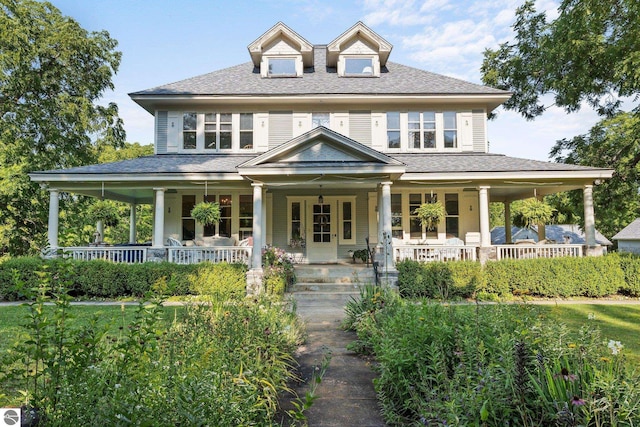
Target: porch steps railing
column 537, row 251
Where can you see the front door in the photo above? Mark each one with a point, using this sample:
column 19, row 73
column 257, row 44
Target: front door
column 322, row 245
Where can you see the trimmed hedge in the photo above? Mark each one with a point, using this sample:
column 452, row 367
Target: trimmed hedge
column 441, row 280
column 557, row 277
column 103, row 279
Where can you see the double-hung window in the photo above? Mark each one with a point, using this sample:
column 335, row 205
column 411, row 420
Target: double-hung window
column 282, row 67
column 246, row 131
column 393, row 130
column 217, row 131
column 450, row 129
column 416, row 228
column 222, row 228
column 189, row 131
column 453, row 214
column 188, row 223
column 246, row 216
column 422, row 129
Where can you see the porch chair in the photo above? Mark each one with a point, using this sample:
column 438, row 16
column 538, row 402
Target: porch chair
column 452, row 254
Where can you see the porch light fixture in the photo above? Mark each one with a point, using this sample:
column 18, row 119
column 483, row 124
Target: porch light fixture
column 320, row 199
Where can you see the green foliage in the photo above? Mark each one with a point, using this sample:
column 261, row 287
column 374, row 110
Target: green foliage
column 532, row 212
column 278, row 271
column 53, row 74
column 206, row 213
column 222, row 281
column 494, row 365
column 105, row 211
column 630, row 265
column 442, row 280
column 555, row 277
column 224, row 363
column 430, row 214
column 104, row 279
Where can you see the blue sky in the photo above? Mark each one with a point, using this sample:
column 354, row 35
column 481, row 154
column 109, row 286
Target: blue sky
column 165, row 41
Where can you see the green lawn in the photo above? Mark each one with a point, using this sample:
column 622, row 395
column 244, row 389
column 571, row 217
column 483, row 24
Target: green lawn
column 616, row 322
column 12, row 317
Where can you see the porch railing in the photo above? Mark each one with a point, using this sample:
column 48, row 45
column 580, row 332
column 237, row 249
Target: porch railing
column 537, row 251
column 129, row 254
column 434, row 253
column 192, row 254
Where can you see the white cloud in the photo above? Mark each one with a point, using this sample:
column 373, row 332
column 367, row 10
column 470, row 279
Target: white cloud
column 397, row 12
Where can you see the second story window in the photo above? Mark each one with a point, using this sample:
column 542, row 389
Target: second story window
column 450, row 129
column 422, row 129
column 246, row 131
column 393, row 130
column 320, row 119
column 217, row 131
column 189, row 126
column 282, row 67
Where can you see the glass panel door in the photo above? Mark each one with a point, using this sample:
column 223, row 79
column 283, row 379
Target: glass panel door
column 322, row 223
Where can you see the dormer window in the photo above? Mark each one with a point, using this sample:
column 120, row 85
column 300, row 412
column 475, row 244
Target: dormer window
column 358, row 67
column 282, row 67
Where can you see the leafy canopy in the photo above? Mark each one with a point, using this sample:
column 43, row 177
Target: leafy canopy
column 52, row 73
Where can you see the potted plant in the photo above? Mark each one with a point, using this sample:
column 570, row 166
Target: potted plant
column 532, row 212
column 430, row 214
column 104, row 211
column 206, row 213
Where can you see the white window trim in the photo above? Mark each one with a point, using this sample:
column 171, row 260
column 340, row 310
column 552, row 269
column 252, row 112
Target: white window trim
column 404, row 132
column 200, row 133
column 264, row 66
column 375, row 62
column 303, row 214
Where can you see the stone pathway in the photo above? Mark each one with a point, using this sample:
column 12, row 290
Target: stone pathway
column 346, row 396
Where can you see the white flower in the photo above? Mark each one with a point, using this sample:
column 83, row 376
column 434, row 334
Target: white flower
column 118, row 385
column 615, row 347
column 592, row 316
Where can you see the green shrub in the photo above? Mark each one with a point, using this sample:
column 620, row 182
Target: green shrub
column 557, row 277
column 630, row 265
column 441, row 280
column 222, row 281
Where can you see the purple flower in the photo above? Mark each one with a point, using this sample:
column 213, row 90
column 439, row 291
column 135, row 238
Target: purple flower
column 577, row 401
column 564, row 374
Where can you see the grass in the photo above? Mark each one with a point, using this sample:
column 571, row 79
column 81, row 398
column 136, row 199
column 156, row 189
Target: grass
column 115, row 316
column 616, row 322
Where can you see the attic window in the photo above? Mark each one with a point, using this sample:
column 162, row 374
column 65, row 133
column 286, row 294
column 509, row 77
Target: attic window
column 282, row 67
column 358, row 67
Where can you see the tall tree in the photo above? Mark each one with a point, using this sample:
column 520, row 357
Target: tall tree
column 589, row 54
column 52, row 73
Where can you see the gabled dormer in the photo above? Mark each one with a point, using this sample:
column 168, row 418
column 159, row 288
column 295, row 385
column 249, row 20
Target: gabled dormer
column 281, row 52
column 358, row 52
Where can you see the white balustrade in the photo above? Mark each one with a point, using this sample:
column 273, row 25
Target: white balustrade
column 434, row 253
column 195, row 254
column 126, row 254
column 537, row 251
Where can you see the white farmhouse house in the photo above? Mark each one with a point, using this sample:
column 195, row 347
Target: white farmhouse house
column 315, row 148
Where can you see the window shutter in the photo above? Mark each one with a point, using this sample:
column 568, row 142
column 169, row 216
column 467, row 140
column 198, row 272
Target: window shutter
column 280, row 127
column 360, row 126
column 161, row 132
column 479, row 135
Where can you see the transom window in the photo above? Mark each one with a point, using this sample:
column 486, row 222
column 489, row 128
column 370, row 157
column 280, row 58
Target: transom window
column 358, row 67
column 282, row 67
column 422, row 129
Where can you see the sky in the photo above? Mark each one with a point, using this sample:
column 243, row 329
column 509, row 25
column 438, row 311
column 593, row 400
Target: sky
column 164, row 41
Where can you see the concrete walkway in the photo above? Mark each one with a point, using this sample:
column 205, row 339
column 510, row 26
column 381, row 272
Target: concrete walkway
column 346, row 396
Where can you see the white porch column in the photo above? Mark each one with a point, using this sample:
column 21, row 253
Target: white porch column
column 386, row 226
column 589, row 217
column 132, row 223
column 158, row 221
column 507, row 222
column 485, row 233
column 54, row 208
column 380, row 214
column 264, row 217
column 257, row 233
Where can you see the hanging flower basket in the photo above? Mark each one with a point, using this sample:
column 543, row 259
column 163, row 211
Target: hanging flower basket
column 104, row 211
column 532, row 212
column 206, row 213
column 430, row 214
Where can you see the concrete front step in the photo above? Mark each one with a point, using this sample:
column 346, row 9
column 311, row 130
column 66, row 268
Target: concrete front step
column 327, row 287
column 329, row 300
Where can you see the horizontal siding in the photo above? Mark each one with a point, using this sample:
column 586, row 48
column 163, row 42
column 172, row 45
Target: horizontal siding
column 280, row 127
column 161, row 132
column 360, row 126
column 479, row 133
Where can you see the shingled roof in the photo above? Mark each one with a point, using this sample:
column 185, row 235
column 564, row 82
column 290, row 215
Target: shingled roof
column 395, row 79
